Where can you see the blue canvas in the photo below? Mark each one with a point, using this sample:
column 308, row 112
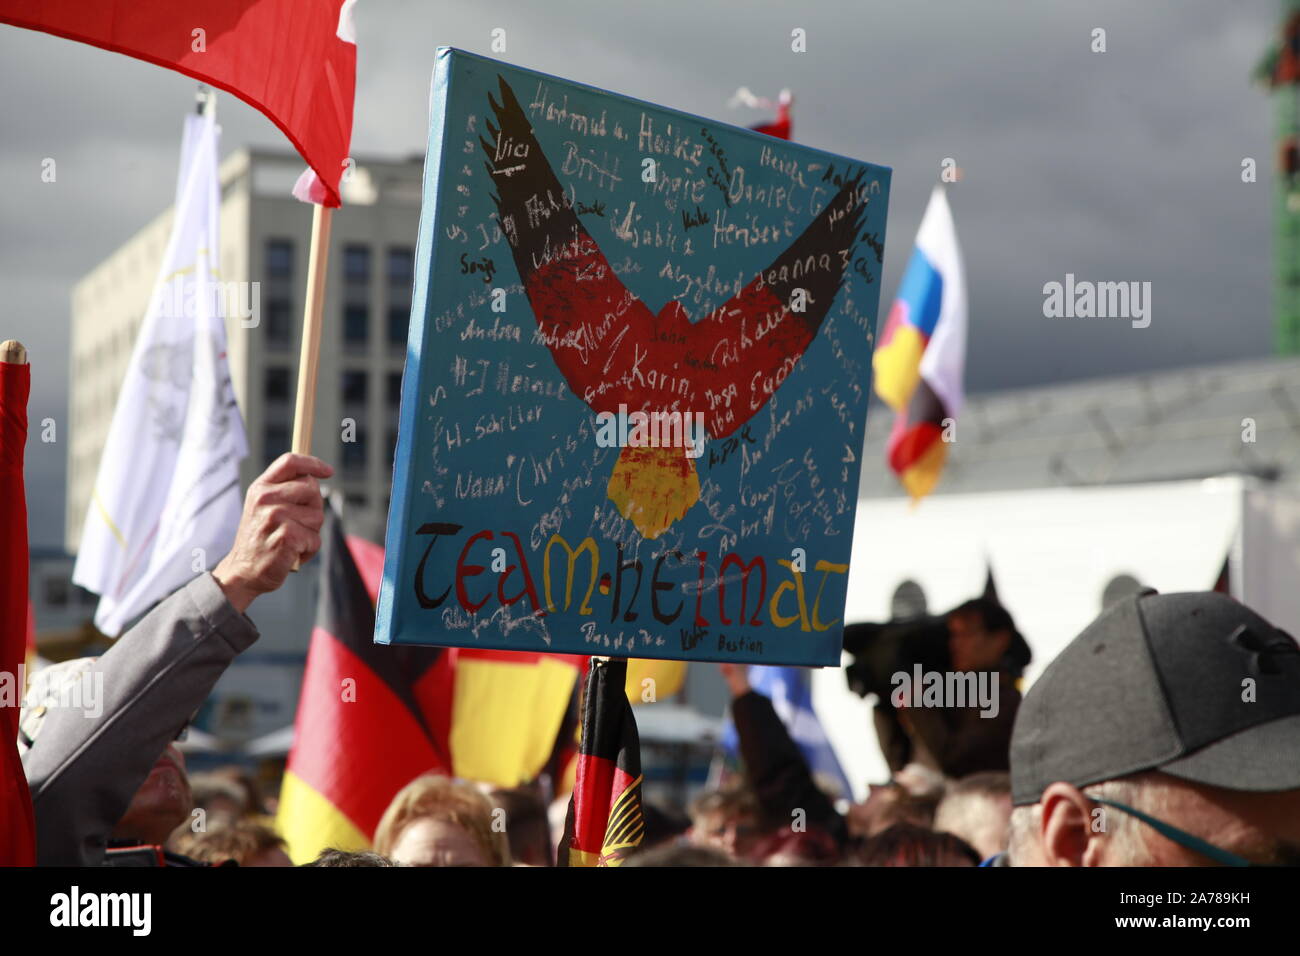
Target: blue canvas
column 636, row 379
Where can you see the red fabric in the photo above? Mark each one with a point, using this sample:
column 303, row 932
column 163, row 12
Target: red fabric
column 435, row 691
column 780, row 127
column 17, row 825
column 282, row 57
column 909, row 443
column 361, row 749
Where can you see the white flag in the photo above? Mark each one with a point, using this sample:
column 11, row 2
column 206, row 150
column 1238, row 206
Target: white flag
column 166, row 501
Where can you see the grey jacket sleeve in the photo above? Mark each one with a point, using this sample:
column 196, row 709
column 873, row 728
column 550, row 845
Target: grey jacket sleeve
column 84, row 768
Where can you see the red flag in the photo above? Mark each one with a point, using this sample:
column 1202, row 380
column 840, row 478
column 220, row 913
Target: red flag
column 17, row 825
column 779, row 127
column 294, row 60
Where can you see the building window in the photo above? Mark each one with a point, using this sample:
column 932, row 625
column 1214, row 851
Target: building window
column 356, row 265
column 84, row 598
column 398, row 320
column 401, row 265
column 354, row 452
column 394, row 389
column 356, row 500
column 392, row 446
column 279, row 258
column 355, row 386
column 279, row 323
column 356, row 325
column 275, row 442
column 56, row 592
column 277, row 383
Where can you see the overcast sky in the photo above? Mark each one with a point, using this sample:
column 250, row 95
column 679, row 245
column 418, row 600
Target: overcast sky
column 1122, row 165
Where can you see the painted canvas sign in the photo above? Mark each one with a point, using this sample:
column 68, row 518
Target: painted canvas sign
column 636, row 379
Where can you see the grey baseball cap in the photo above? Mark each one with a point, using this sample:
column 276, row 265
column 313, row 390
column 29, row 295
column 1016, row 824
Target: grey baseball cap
column 1195, row 685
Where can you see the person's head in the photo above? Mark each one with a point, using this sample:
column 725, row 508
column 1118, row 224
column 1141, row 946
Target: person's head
column 527, row 828
column 1164, row 734
column 727, row 820
column 887, row 805
column 245, row 842
column 681, row 854
column 1073, row 827
column 811, row 847
column 437, row 821
column 245, row 780
column 221, row 799
column 350, row 859
column 662, row 824
column 905, row 844
column 980, row 632
column 977, row 808
column 160, row 804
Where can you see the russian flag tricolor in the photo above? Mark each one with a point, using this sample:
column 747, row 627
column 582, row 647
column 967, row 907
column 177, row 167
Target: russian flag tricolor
column 921, row 357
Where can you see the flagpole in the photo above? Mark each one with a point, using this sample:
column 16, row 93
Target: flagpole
column 304, row 413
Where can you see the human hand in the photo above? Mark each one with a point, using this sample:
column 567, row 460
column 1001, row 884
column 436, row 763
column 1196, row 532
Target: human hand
column 279, row 529
column 737, row 678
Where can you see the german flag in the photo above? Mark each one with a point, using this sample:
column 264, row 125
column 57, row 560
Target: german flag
column 496, row 713
column 605, row 823
column 492, row 714
column 360, row 734
column 488, row 716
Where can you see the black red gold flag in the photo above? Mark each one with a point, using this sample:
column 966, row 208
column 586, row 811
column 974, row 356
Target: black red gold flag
column 360, row 735
column 605, row 822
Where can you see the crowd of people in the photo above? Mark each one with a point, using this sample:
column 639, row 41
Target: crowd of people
column 1166, row 733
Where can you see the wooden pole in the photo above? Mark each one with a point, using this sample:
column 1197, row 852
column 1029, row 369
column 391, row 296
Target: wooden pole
column 304, row 410
column 304, row 413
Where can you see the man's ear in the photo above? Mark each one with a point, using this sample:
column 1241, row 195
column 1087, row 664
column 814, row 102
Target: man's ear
column 1004, row 642
column 1069, row 833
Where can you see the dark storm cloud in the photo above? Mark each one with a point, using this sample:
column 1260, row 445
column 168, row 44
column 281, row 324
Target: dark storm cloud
column 1123, row 165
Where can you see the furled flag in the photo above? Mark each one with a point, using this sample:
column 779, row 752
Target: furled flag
column 166, row 501
column 605, row 822
column 921, row 357
column 360, row 735
column 17, row 825
column 294, row 60
column 790, row 690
